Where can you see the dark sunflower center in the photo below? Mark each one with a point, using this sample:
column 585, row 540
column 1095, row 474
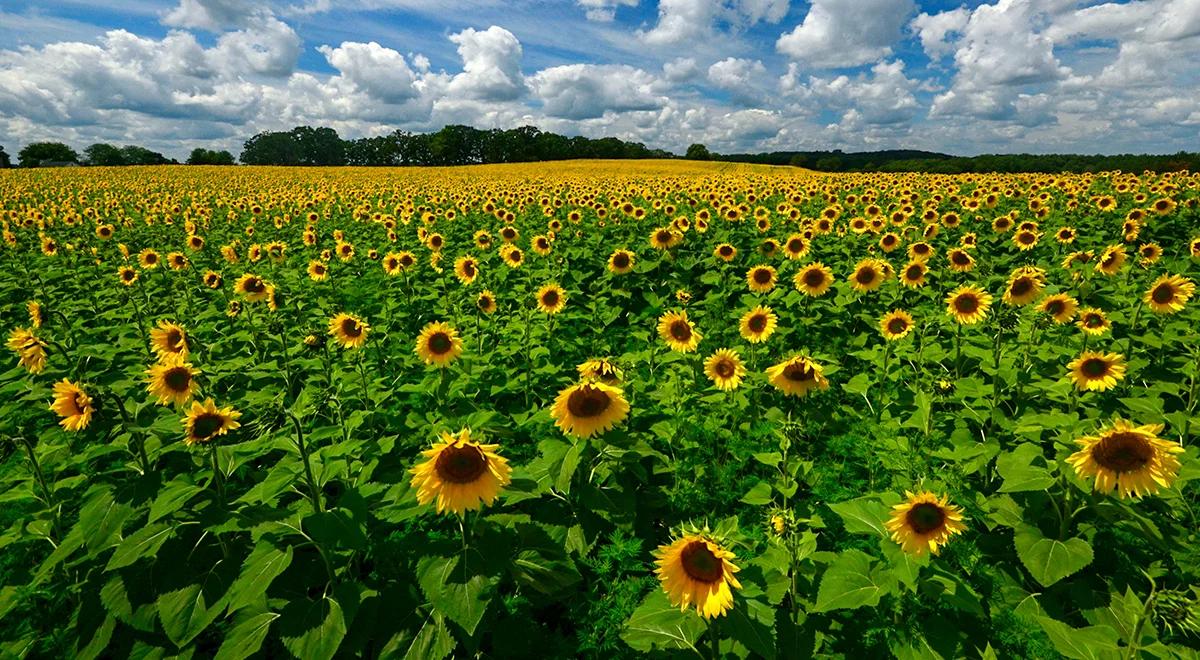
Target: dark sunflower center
column 700, row 563
column 757, row 323
column 1123, row 452
column 926, row 517
column 1055, row 307
column 1021, row 286
column 255, row 285
column 1026, row 238
column 889, row 240
column 621, row 260
column 897, row 325
column 1109, row 259
column 469, row 269
column 128, row 275
column 795, row 245
column 550, row 298
column 1163, row 293
column 921, row 249
column 724, row 368
column 174, row 339
column 177, row 379
column 726, row 251
column 406, row 260
column 588, row 402
column 461, row 465
column 515, row 256
column 150, row 258
column 206, row 424
column 351, row 328
column 914, row 272
column 864, row 275
column 799, row 372
column 485, row 302
column 762, row 276
column 814, row 278
column 1094, row 367
column 391, row 263
column 966, row 303
column 440, row 343
column 960, row 258
column 1161, row 205
column 663, row 236
column 681, row 330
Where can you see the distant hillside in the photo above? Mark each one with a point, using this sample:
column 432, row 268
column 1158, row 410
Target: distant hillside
column 908, row 160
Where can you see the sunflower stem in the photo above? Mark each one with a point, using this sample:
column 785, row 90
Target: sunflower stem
column 958, row 351
column 362, row 374
column 40, row 478
column 1137, row 310
column 714, row 636
column 313, row 494
column 139, row 439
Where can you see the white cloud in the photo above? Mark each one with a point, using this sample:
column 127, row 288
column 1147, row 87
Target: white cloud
column 268, row 47
column 839, row 34
column 934, row 30
column 692, row 21
column 744, row 79
column 584, row 91
column 883, row 97
column 681, row 69
column 380, row 72
column 215, row 15
column 491, row 65
column 604, row 10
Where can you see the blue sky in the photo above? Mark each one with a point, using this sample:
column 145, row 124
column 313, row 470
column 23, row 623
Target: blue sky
column 1002, row 76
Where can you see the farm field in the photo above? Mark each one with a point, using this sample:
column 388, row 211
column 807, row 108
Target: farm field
column 598, row 409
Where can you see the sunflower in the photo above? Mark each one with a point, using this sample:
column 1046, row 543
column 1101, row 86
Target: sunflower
column 483, row 239
column 1150, row 253
column 758, row 324
column 601, row 369
column 148, row 259
column 512, row 255
column 466, row 269
column 172, row 380
column 349, row 330
column 461, row 474
column 1093, row 321
column 724, row 368
column 921, row 251
column 73, row 405
column 253, row 288
column 761, row 279
column 127, row 275
column 725, row 252
column 212, row 279
column 620, row 262
column 205, row 421
column 896, row 324
column 1093, row 371
column 589, row 408
column 317, row 270
column 1169, row 294
column 664, row 238
column 923, row 522
column 695, row 571
column 1111, row 260
column 868, row 275
column 968, row 304
column 797, row 376
column 1024, row 286
column 37, row 313
column 678, row 332
column 913, row 274
column 169, row 339
column 1060, row 307
column 1130, row 459
column 31, row 351
column 439, row 344
column 1026, row 239
column 960, row 260
column 486, row 302
column 814, row 279
column 795, row 247
column 551, row 299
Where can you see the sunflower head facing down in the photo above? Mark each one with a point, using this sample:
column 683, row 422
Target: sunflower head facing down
column 460, row 474
column 30, row 350
column 172, row 381
column 439, row 344
column 204, row 422
column 601, row 369
column 814, row 279
column 797, row 376
column 1097, row 372
column 169, row 339
column 1130, row 459
column 1169, row 294
column 678, row 332
column 349, row 330
column 696, row 571
column 968, row 305
column 588, row 408
column 923, row 522
column 551, row 299
column 73, row 405
column 896, row 325
column 758, row 324
column 725, row 369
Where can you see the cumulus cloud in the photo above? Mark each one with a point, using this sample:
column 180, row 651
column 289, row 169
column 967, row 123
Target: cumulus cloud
column 744, row 79
column 381, row 72
column 215, row 15
column 934, row 30
column 583, row 91
column 691, row 21
column 881, row 97
column 604, row 10
column 838, row 34
column 491, row 65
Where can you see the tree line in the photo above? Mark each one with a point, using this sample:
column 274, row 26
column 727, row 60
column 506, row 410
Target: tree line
column 52, row 154
column 937, row 163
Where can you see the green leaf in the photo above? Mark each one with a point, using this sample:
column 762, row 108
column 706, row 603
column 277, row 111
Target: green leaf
column 864, row 515
column 335, row 528
column 185, row 613
column 265, row 563
column 759, row 495
column 1019, row 473
column 657, row 624
column 752, row 623
column 312, row 629
column 849, row 583
column 1050, row 560
column 545, row 574
column 246, row 638
column 462, row 602
column 859, row 384
column 1091, row 643
column 171, row 498
column 569, row 465
column 101, row 519
column 145, row 541
column 432, row 642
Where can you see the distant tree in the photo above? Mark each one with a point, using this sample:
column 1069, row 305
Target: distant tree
column 135, row 155
column 269, row 148
column 201, row 156
column 103, row 155
column 698, row 152
column 828, row 164
column 798, row 160
column 319, row 146
column 5, row 161
column 46, row 152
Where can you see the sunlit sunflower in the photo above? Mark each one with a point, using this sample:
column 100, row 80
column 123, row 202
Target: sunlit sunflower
column 960, row 260
column 968, row 304
column 512, row 255
column 30, row 350
column 588, row 408
column 439, row 344
column 169, row 339
column 148, row 259
column 868, row 275
column 758, row 324
column 73, row 405
column 551, row 299
column 761, row 279
column 1060, row 307
column 349, row 330
column 725, row 369
column 797, row 376
column 601, row 369
column 1024, row 286
column 896, row 324
column 664, row 238
column 1149, row 253
column 814, row 279
column 205, row 422
column 924, row 522
column 1026, row 239
column 696, row 572
column 486, row 301
column 127, row 275
column 317, row 270
column 913, row 274
column 1096, row 372
column 37, row 313
column 725, row 252
column 620, row 262
column 795, row 247
column 1111, row 260
column 461, row 474
column 678, row 332
column 1130, row 459
column 213, row 279
column 1169, row 294
column 252, row 287
column 466, row 269
column 172, row 381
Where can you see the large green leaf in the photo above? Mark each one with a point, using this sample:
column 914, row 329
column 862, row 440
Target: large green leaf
column 265, row 563
column 752, row 623
column 1019, row 472
column 462, row 599
column 850, row 583
column 1091, row 643
column 312, row 629
column 658, row 625
column 1050, row 560
column 185, row 612
column 145, row 541
column 864, row 515
column 335, row 528
column 246, row 638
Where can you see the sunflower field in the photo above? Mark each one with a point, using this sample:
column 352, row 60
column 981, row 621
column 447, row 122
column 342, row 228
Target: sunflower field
column 598, row 409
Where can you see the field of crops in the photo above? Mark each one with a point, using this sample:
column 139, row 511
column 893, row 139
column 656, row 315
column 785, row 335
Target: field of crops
column 598, row 409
